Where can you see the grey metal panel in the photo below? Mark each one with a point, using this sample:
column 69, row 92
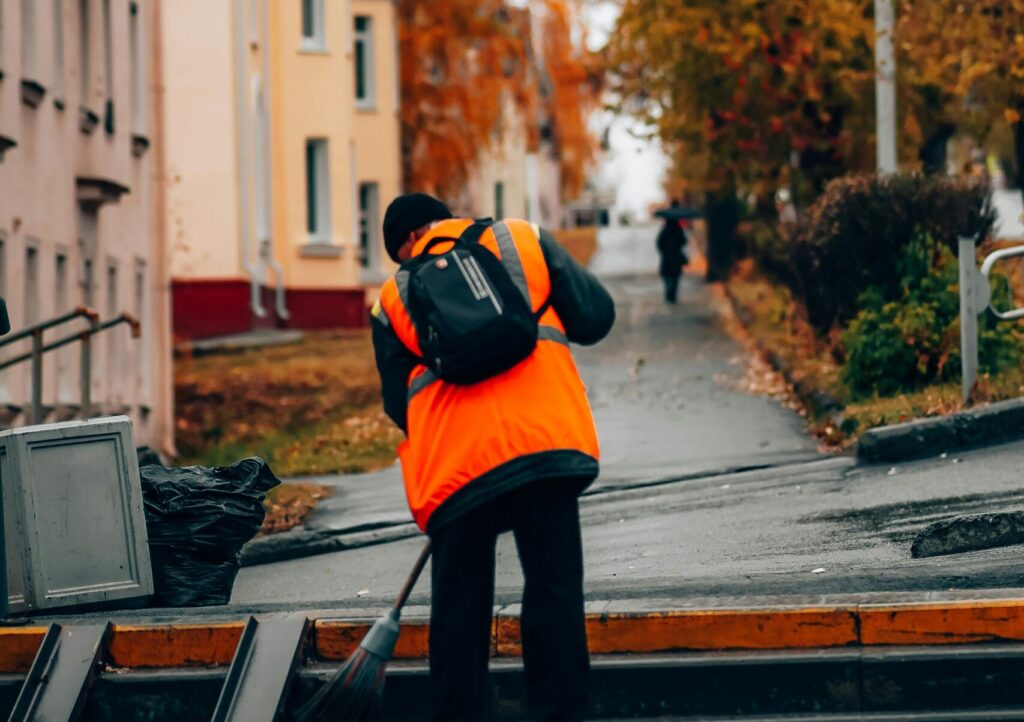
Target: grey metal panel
column 78, row 483
column 261, row 672
column 12, row 528
column 58, row 682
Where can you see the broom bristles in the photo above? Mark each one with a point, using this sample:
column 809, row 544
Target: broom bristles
column 355, row 693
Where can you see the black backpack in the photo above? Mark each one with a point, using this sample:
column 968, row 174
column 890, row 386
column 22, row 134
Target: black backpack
column 471, row 319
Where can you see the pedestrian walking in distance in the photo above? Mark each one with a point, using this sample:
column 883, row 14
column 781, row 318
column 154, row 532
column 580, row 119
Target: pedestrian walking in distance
column 471, row 337
column 671, row 240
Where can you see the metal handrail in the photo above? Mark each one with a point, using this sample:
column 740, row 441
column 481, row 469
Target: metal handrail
column 84, row 336
column 986, row 269
column 136, row 328
column 79, row 312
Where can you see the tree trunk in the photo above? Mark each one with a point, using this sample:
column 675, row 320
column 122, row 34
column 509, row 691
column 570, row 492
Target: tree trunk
column 722, row 213
column 1018, row 146
column 933, row 153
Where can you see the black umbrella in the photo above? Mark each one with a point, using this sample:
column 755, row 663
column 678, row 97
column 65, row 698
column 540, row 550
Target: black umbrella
column 678, row 213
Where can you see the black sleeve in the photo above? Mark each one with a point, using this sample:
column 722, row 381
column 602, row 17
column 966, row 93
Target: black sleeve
column 394, row 363
column 584, row 305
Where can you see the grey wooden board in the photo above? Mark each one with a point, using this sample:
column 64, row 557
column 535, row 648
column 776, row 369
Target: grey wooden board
column 261, row 672
column 58, row 682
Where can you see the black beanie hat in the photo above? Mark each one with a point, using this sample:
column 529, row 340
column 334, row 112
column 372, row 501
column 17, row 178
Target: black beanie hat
column 407, row 213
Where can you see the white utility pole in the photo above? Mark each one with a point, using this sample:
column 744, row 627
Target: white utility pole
column 885, row 87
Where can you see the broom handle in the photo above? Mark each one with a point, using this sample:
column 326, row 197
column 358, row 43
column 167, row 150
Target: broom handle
column 403, row 596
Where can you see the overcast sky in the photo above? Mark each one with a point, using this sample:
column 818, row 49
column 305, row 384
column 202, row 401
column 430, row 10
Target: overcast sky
column 634, row 168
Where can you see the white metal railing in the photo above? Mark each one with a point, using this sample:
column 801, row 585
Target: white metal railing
column 975, row 299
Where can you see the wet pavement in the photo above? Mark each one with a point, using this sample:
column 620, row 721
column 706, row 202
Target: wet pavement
column 662, row 386
column 757, row 512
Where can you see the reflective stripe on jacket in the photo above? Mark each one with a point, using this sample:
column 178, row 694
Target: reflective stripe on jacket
column 459, row 434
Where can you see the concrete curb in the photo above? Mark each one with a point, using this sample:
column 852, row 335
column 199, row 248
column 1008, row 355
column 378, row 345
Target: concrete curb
column 613, row 627
column 992, row 424
column 996, row 423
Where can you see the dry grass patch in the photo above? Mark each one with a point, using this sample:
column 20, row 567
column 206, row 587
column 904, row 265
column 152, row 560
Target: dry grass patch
column 311, row 407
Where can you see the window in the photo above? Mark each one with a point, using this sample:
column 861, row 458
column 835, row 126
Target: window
column 318, row 199
column 87, row 282
column 31, row 300
column 369, row 224
column 61, row 273
column 113, row 354
column 3, row 265
column 58, row 52
column 499, row 201
column 108, row 69
column 63, row 305
column 138, row 85
column 313, row 24
column 84, row 50
column 28, row 39
column 365, row 96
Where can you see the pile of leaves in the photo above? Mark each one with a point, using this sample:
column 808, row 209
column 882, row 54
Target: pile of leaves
column 308, row 408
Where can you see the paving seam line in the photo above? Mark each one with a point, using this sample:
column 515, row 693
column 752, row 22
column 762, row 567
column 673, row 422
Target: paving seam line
column 311, row 543
column 615, row 627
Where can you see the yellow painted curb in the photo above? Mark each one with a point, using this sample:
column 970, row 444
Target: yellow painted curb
column 618, row 629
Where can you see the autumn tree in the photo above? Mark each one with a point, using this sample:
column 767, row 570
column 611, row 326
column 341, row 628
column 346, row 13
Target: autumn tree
column 749, row 94
column 462, row 61
column 961, row 69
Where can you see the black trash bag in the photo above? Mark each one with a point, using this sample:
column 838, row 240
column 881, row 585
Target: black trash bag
column 198, row 519
column 147, row 456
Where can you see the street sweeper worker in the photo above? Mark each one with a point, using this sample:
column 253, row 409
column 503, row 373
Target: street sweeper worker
column 472, row 337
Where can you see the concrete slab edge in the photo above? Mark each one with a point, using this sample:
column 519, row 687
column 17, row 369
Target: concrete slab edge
column 613, row 627
column 299, row 543
column 995, row 423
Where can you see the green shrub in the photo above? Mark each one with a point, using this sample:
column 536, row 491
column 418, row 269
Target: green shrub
column 852, row 236
column 895, row 345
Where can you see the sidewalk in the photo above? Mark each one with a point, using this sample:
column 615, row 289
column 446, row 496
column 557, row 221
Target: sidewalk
column 663, row 390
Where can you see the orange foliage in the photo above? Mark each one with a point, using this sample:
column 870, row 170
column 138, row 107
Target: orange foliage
column 576, row 81
column 462, row 61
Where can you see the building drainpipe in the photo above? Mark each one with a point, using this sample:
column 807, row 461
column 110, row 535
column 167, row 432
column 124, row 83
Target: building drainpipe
column 256, row 271
column 266, row 197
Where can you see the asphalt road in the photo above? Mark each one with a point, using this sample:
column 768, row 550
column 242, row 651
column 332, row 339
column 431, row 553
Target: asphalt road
column 800, row 524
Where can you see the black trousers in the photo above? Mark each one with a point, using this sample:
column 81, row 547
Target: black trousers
column 671, row 288
column 544, row 517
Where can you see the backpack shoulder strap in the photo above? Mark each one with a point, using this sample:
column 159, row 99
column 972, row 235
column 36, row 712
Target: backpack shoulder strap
column 475, row 230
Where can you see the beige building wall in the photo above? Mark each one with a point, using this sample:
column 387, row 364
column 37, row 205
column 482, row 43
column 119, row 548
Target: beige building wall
column 497, row 187
column 311, row 100
column 377, row 137
column 201, row 143
column 76, row 207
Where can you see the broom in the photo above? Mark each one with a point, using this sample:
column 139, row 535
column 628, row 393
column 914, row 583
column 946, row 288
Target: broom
column 356, row 691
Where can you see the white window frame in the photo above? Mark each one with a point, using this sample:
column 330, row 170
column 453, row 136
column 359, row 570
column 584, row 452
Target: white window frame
column 85, row 53
column 364, row 38
column 317, row 42
column 369, row 225
column 108, row 66
column 318, row 223
column 58, row 53
column 136, row 23
column 28, row 40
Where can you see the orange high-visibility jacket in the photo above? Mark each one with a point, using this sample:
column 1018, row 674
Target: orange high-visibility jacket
column 469, row 443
